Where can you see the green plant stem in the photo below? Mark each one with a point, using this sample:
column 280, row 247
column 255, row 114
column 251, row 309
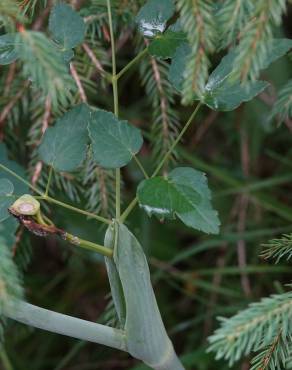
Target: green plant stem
column 177, row 140
column 89, row 245
column 5, row 360
column 116, row 102
column 55, row 201
column 139, row 164
column 49, row 181
column 39, row 218
column 128, row 210
column 12, row 173
column 66, row 325
column 132, row 205
column 132, row 62
column 77, row 210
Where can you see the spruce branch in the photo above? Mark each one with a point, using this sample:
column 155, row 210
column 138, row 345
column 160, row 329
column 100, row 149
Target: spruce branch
column 231, row 17
column 254, row 38
column 43, row 64
column 160, row 95
column 10, row 11
column 274, row 355
column 282, row 108
column 278, row 248
column 77, row 80
column 198, row 21
column 100, row 189
column 254, row 328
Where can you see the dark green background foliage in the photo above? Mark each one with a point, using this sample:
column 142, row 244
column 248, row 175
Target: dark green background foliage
column 245, row 150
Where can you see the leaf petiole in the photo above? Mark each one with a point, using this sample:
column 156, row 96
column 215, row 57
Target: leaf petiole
column 49, row 181
column 131, row 63
column 12, row 173
column 132, row 205
column 139, row 164
column 55, row 201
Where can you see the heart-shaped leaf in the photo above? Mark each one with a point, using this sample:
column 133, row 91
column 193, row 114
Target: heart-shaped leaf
column 185, row 193
column 66, row 26
column 8, row 52
column 64, row 146
column 153, row 16
column 6, row 189
column 114, row 142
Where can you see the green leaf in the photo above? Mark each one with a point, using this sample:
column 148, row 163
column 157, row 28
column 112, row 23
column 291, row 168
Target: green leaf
column 114, row 142
column 178, row 66
column 66, row 26
column 184, row 193
column 11, row 284
column 275, row 50
column 113, row 276
column 43, row 65
column 64, row 146
column 165, row 45
column 222, row 92
column 6, row 189
column 145, row 333
column 8, row 229
column 8, row 53
column 9, row 226
column 153, row 16
column 19, row 187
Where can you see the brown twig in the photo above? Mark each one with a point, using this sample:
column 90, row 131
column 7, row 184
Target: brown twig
column 93, row 58
column 9, row 78
column 270, row 101
column 241, row 246
column 203, row 128
column 39, row 22
column 45, row 124
column 76, row 77
column 37, row 172
column 6, row 110
column 268, row 356
column 242, row 214
column 17, row 240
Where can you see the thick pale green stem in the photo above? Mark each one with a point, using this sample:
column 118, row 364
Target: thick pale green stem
column 66, row 325
column 85, row 244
